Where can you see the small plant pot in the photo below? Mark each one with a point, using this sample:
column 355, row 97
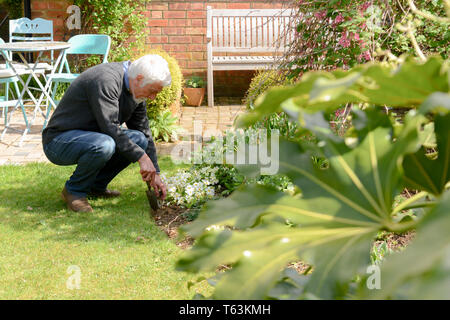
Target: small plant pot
column 194, row 96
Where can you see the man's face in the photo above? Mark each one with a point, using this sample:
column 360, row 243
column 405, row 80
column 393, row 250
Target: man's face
column 141, row 94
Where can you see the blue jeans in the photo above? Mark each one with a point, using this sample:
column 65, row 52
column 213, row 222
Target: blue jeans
column 95, row 155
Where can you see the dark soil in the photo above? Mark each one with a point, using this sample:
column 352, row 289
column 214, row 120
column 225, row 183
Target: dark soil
column 396, row 241
column 169, row 219
column 300, row 267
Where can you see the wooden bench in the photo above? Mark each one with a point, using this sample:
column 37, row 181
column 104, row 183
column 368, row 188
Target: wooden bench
column 247, row 39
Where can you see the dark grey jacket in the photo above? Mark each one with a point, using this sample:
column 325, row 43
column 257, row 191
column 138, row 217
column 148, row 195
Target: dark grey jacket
column 99, row 101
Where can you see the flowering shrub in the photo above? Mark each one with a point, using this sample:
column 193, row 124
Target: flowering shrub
column 192, row 188
column 188, row 188
column 335, row 33
column 343, row 33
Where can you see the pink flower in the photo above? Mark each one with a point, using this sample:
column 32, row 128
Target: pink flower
column 364, row 6
column 339, row 112
column 321, row 14
column 365, row 55
column 339, row 19
column 345, row 40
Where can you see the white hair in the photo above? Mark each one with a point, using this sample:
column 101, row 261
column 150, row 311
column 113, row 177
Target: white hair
column 153, row 68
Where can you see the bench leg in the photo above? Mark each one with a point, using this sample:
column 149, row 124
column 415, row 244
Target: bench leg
column 210, row 88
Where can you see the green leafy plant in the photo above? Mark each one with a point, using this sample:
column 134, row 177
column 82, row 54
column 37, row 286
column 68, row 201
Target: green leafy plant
column 343, row 204
column 122, row 20
column 165, row 127
column 195, row 82
column 15, row 8
column 263, row 81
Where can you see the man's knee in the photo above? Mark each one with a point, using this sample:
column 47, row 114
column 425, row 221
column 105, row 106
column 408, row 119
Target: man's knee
column 105, row 147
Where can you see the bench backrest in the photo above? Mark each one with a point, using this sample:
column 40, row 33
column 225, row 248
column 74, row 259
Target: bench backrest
column 249, row 30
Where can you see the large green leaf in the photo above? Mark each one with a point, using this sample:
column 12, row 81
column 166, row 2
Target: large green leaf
column 331, row 226
column 251, row 205
column 371, row 83
column 365, row 179
column 421, row 271
column 427, row 174
column 437, row 101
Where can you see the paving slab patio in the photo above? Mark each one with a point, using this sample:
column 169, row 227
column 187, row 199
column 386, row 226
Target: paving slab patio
column 209, row 120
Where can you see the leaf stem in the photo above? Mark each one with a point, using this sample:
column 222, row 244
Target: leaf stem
column 407, row 202
column 427, row 15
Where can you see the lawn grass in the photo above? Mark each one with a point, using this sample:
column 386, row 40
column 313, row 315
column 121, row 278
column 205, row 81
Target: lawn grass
column 118, row 248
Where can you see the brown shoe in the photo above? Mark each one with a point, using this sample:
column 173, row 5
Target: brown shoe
column 75, row 203
column 104, row 194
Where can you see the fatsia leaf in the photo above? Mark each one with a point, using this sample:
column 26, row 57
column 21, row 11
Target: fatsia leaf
column 270, row 101
column 422, row 270
column 436, row 102
column 375, row 84
column 427, row 136
column 259, row 254
column 241, row 209
column 423, row 173
column 331, row 225
column 364, row 179
column 290, row 286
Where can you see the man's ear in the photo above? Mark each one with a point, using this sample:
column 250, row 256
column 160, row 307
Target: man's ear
column 139, row 78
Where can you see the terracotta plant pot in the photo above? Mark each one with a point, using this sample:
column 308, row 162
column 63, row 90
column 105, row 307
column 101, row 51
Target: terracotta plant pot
column 194, row 96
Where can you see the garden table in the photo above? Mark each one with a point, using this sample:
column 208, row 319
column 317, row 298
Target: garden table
column 7, row 50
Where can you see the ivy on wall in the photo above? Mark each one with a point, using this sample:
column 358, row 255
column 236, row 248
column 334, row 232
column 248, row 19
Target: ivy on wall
column 14, row 7
column 122, row 20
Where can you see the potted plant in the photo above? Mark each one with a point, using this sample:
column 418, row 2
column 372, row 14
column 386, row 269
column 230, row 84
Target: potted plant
column 194, row 91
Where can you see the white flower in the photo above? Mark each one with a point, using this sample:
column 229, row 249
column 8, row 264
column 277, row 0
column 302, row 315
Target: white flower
column 210, row 191
column 189, row 191
column 172, row 189
column 215, row 228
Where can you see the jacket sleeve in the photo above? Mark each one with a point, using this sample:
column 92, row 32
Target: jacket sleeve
column 139, row 121
column 103, row 97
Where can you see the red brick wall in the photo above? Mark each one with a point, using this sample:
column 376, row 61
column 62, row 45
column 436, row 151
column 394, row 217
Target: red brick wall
column 52, row 10
column 177, row 26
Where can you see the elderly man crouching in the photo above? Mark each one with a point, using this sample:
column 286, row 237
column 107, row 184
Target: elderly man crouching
column 85, row 128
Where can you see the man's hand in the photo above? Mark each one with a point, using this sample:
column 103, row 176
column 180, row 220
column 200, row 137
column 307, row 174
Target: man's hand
column 148, row 170
column 159, row 187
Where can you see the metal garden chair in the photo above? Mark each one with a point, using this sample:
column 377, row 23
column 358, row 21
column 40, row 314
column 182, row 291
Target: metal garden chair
column 38, row 29
column 81, row 44
column 7, row 77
